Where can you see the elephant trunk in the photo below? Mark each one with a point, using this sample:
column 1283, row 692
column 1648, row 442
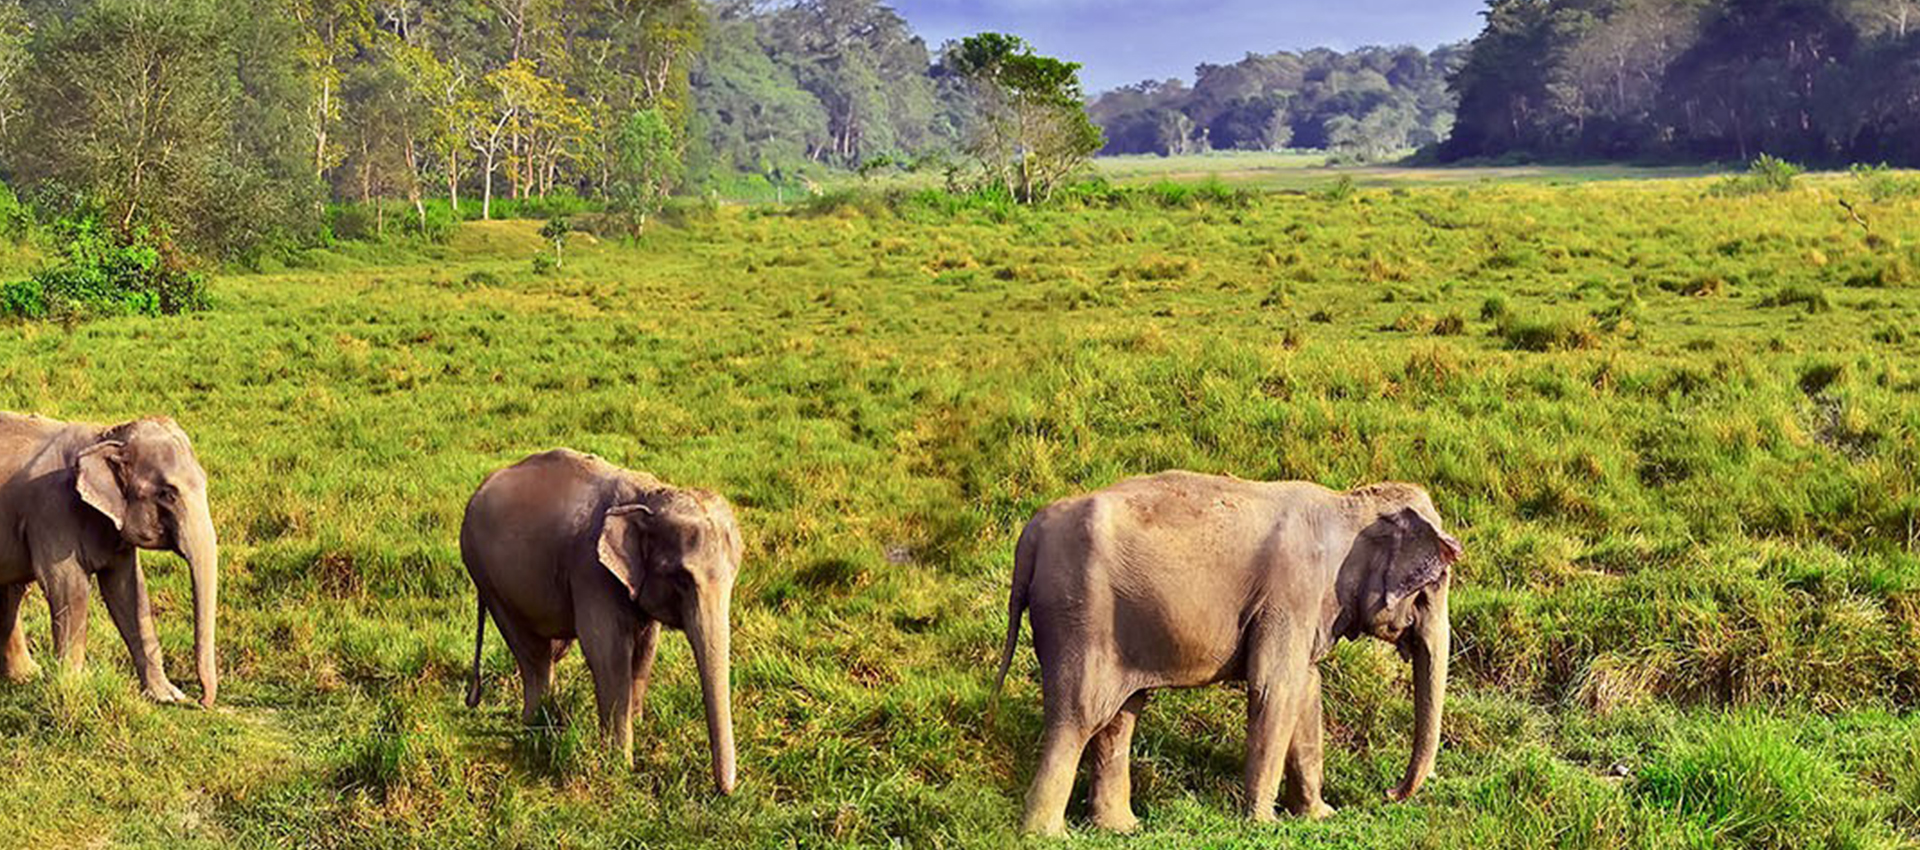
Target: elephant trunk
column 709, row 631
column 1431, row 647
column 198, row 546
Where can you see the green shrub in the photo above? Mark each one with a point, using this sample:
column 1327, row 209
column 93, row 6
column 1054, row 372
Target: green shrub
column 1766, row 175
column 104, row 273
column 1882, row 184
column 1339, row 190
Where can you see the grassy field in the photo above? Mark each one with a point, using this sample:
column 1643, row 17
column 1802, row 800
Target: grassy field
column 1302, row 170
column 1676, row 433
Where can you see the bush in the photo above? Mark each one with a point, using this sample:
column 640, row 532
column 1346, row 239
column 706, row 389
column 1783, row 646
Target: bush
column 1766, row 175
column 106, row 274
column 1882, row 184
column 1338, row 190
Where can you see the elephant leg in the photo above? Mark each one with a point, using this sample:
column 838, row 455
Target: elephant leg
column 534, row 656
column 1304, row 756
column 16, row 665
column 65, row 586
column 1110, row 800
column 124, row 589
column 1276, row 662
column 646, row 642
column 1073, row 710
column 609, row 656
column 1060, row 749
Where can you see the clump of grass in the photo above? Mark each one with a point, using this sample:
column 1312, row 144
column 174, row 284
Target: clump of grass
column 1699, row 286
column 1891, row 273
column 1494, row 308
column 1747, row 783
column 482, row 278
column 1560, row 333
column 1811, row 298
column 1161, row 267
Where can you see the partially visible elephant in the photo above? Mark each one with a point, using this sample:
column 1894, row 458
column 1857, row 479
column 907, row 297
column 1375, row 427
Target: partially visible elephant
column 1181, row 580
column 80, row 500
column 564, row 545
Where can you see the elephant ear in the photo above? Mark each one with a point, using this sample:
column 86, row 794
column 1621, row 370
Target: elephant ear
column 1421, row 556
column 618, row 552
column 98, row 480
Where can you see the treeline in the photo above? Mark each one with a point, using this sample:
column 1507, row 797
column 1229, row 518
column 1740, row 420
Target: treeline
column 1824, row 81
column 222, row 127
column 1359, row 105
column 839, row 83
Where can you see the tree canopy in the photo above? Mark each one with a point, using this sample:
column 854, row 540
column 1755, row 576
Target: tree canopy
column 1814, row 80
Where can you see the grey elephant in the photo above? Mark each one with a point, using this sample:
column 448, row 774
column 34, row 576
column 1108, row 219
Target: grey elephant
column 566, row 546
column 1181, row 580
column 80, row 500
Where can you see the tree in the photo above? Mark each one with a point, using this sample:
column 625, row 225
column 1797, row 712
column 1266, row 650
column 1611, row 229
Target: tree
column 647, row 166
column 164, row 117
column 1031, row 130
column 334, row 31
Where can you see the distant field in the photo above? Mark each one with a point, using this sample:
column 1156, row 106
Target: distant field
column 1676, row 433
column 1308, row 170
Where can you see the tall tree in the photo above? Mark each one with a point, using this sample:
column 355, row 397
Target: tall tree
column 1032, row 130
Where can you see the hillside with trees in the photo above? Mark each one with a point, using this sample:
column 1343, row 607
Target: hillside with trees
column 1825, row 81
column 1359, row 105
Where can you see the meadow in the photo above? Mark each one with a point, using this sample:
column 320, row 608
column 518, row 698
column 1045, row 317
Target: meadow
column 1675, row 431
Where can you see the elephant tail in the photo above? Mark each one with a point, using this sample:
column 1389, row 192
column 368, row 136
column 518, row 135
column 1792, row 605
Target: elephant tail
column 479, row 639
column 1023, row 557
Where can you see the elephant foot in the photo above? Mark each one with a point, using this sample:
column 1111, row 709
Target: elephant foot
column 20, row 670
column 1048, row 828
column 1262, row 814
column 163, row 692
column 1318, row 811
column 1122, row 822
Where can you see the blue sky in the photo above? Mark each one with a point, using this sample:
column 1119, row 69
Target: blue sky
column 1125, row 41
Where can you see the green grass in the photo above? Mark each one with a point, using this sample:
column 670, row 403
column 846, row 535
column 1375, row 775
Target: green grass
column 1689, row 614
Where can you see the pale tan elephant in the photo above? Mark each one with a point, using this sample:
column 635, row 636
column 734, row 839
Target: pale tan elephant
column 1180, row 580
column 79, row 501
column 564, row 545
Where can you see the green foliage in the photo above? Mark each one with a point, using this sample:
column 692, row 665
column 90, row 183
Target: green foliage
column 1359, row 106
column 1711, row 80
column 143, row 110
column 1883, row 183
column 648, row 165
column 1765, row 176
column 1031, row 132
column 1340, row 189
column 104, row 274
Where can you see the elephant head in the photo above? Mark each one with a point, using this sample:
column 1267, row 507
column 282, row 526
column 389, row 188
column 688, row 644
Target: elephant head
column 1405, row 561
column 677, row 554
column 144, row 478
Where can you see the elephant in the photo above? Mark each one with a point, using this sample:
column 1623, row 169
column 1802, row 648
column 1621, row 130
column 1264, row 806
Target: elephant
column 1180, row 580
column 564, row 545
column 80, row 500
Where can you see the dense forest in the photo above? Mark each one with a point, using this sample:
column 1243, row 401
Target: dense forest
column 1359, row 105
column 218, row 127
column 1825, row 81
